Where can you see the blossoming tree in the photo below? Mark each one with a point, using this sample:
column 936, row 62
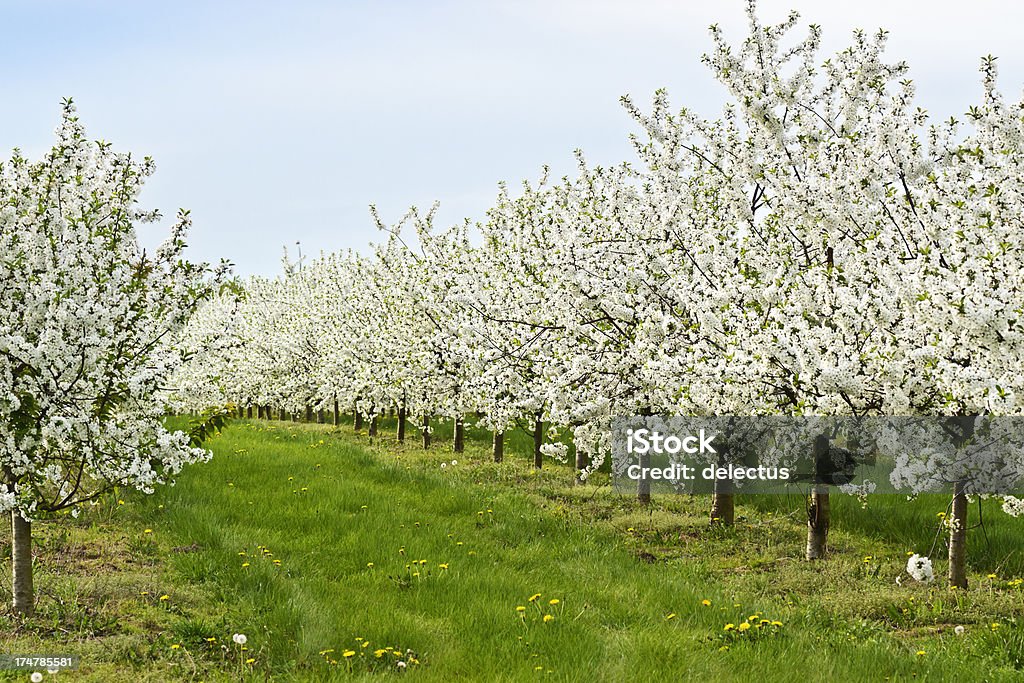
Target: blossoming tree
column 87, row 324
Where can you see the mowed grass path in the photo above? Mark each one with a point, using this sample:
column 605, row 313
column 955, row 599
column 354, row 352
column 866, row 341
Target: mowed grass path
column 316, row 540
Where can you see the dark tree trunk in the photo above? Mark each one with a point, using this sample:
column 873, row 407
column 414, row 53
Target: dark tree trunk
column 357, row 421
column 643, row 484
column 460, row 435
column 372, row 431
column 723, row 502
column 284, row 415
column 320, row 416
column 248, row 412
column 581, row 464
column 538, row 440
column 401, row 424
column 309, row 413
column 21, row 564
column 337, row 415
column 426, row 431
column 958, row 538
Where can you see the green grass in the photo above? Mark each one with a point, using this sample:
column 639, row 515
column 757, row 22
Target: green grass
column 309, row 539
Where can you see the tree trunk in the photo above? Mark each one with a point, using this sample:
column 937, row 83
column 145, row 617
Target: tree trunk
column 309, row 413
column 337, row 416
column 817, row 522
column 963, row 426
column 426, row 431
column 498, row 446
column 581, row 464
column 21, row 564
column 643, row 484
column 818, row 512
column 248, row 412
column 320, row 416
column 401, row 424
column 723, row 503
column 284, row 415
column 538, row 440
column 357, row 421
column 372, row 431
column 958, row 538
column 460, row 435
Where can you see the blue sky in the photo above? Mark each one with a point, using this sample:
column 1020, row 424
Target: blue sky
column 281, row 122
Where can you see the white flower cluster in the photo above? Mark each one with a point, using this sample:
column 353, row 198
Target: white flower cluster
column 920, row 568
column 821, row 248
column 88, row 324
column 1013, row 506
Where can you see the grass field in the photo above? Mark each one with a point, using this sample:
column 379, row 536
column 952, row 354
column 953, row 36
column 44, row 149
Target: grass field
column 339, row 558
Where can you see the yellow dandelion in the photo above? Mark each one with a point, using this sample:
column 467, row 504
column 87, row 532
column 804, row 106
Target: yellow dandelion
column 534, row 598
column 706, row 603
column 348, row 653
column 548, row 618
column 730, row 627
column 553, row 601
column 745, row 626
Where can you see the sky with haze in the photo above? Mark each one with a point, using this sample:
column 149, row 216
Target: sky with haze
column 281, row 122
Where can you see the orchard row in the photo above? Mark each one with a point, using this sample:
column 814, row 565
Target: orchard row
column 821, row 248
